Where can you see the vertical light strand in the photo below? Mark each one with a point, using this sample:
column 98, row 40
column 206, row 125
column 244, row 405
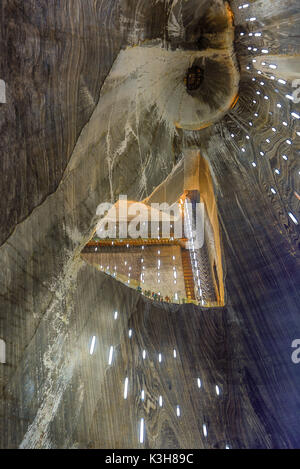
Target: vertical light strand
column 110, row 358
column 92, row 347
column 142, row 431
column 126, row 388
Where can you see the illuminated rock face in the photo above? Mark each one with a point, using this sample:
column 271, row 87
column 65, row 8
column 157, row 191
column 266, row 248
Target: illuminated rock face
column 77, row 130
column 153, row 77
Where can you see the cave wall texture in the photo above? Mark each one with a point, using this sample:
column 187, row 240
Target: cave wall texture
column 93, row 93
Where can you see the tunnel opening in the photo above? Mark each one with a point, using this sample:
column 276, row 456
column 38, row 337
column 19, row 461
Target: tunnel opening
column 194, row 78
column 166, row 247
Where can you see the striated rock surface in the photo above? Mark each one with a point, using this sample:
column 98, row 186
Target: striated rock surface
column 86, row 121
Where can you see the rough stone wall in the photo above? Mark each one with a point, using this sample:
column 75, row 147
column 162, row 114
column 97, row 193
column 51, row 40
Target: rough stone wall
column 53, row 393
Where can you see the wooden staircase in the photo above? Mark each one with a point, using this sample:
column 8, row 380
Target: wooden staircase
column 188, row 274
